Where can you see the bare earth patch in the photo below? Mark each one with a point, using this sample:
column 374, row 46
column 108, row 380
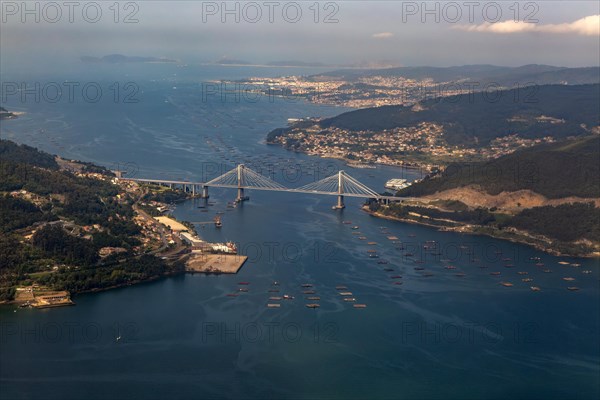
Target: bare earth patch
column 511, row 202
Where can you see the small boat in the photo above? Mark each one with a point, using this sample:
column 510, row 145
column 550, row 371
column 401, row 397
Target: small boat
column 382, row 262
column 568, row 279
column 523, row 273
column 419, row 269
column 427, row 274
column 313, row 298
column 563, row 262
column 526, row 280
column 372, row 243
column 362, row 238
column 340, row 287
column 359, row 305
column 398, row 283
column 509, row 265
column 309, row 292
column 349, row 299
column 539, row 264
column 547, row 271
column 275, row 298
column 232, row 295
column 575, row 265
column 460, row 274
column 573, row 288
column 355, row 227
column 450, row 267
column 273, row 305
column 242, row 290
column 288, row 297
column 586, row 271
column 345, row 293
column 313, row 305
column 506, row 284
column 306, row 285
column 273, row 290
column 535, row 288
column 275, row 283
column 373, row 255
column 495, row 273
column 396, row 277
column 347, row 222
column 243, row 283
column 388, row 269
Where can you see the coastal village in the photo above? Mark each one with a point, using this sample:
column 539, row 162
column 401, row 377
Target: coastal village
column 365, row 91
column 423, row 145
column 161, row 235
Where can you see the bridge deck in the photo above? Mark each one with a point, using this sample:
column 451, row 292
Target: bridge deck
column 269, row 189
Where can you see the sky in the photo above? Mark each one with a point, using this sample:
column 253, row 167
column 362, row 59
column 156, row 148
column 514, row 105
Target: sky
column 444, row 33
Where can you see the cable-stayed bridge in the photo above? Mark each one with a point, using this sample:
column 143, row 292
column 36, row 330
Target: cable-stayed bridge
column 242, row 178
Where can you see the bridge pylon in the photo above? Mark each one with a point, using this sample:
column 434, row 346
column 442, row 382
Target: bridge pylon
column 240, row 183
column 204, row 194
column 340, row 199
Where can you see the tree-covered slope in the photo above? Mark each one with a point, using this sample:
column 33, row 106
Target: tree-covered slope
column 562, row 169
column 477, row 118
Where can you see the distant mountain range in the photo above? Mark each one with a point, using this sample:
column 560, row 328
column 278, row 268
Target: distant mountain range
column 119, row 59
column 479, row 74
column 285, row 63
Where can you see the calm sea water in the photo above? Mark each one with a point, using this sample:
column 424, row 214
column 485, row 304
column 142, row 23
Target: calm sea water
column 442, row 336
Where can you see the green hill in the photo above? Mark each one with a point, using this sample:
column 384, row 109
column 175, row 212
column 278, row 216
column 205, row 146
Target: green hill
column 56, row 209
column 562, row 169
column 476, row 119
column 12, row 152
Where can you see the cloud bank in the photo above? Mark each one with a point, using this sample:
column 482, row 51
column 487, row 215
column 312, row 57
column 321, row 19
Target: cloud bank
column 382, row 35
column 587, row 26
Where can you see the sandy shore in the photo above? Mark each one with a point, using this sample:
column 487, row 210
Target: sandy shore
column 172, row 224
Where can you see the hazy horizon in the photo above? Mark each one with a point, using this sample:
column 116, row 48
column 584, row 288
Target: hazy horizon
column 33, row 36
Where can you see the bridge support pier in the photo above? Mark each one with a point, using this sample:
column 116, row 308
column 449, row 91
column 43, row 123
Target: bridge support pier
column 340, row 203
column 204, row 194
column 240, row 196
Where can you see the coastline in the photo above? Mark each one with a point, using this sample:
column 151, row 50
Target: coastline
column 515, row 236
column 415, row 165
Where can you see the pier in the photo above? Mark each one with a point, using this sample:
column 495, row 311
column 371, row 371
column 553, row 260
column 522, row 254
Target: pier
column 215, row 263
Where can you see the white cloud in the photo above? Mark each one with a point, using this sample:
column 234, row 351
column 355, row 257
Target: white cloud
column 587, row 26
column 382, row 35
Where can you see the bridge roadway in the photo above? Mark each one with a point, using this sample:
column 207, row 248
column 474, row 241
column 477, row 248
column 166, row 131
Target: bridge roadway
column 204, row 184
